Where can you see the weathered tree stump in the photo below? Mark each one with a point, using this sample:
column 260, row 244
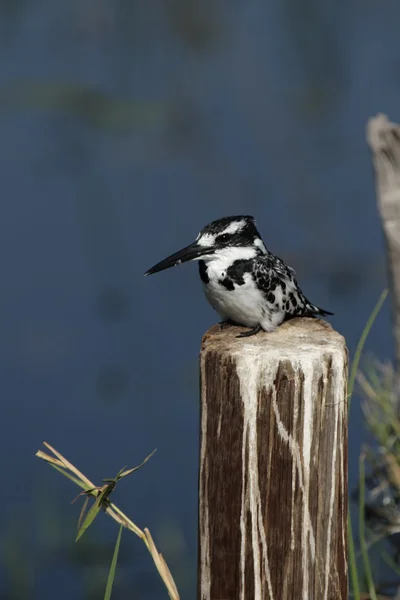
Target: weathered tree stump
column 273, row 464
column 384, row 140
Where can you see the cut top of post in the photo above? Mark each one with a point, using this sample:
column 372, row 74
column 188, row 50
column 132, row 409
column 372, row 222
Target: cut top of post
column 296, row 340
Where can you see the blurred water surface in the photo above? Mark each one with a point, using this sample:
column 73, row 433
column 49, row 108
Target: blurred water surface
column 124, row 128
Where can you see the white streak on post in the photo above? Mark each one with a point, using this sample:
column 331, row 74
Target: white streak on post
column 243, row 522
column 342, row 484
column 331, row 501
column 294, row 467
column 203, row 509
column 248, row 369
column 338, row 408
column 308, row 537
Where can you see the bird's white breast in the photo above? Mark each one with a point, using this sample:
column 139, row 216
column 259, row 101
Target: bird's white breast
column 246, row 303
column 243, row 305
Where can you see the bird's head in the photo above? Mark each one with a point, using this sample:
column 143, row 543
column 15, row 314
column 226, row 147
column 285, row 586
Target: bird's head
column 236, row 237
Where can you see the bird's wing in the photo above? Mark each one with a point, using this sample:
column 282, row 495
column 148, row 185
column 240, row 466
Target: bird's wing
column 272, row 270
column 283, row 270
column 278, row 282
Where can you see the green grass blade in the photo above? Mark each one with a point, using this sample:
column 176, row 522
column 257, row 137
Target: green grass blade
column 353, row 562
column 360, row 345
column 350, row 388
column 90, row 517
column 361, row 526
column 111, row 575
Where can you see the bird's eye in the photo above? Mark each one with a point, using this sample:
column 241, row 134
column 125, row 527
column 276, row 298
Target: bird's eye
column 224, row 237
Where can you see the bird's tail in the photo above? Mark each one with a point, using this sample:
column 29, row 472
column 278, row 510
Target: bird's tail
column 315, row 310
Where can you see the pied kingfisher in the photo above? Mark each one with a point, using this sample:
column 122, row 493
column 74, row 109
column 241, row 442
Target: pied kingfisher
column 245, row 283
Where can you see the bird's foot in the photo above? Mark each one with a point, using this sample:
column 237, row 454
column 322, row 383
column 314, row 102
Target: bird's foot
column 250, row 332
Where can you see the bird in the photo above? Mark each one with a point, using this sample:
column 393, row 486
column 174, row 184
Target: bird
column 243, row 281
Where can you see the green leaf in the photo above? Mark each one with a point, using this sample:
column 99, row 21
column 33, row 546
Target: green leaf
column 111, row 575
column 92, row 514
column 118, row 475
column 123, row 473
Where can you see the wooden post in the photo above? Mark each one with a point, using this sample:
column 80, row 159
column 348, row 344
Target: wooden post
column 273, row 464
column 384, row 140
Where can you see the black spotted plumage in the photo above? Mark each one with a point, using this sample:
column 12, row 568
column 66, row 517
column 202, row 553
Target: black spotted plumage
column 279, row 285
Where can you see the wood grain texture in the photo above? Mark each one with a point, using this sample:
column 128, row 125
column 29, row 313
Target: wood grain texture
column 273, row 464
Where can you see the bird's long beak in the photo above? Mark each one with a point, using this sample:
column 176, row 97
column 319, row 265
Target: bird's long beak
column 192, row 252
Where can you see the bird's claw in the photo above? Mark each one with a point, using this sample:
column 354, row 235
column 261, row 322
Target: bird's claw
column 250, row 332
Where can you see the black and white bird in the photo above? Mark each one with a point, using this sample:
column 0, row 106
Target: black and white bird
column 245, row 283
